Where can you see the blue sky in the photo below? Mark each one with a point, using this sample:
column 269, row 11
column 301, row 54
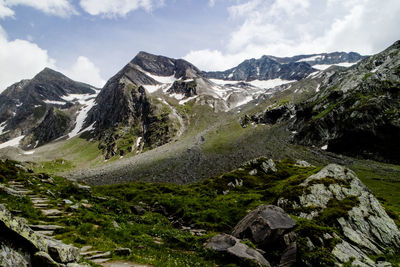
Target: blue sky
column 90, row 40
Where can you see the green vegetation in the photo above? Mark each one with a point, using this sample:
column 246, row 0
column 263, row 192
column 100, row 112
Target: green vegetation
column 54, row 166
column 148, row 217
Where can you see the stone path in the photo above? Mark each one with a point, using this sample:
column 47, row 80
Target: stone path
column 43, row 203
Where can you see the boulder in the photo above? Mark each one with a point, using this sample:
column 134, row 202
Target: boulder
column 19, row 230
column 289, row 256
column 264, row 225
column 232, row 246
column 9, row 257
column 61, row 252
column 138, row 210
column 268, row 166
column 366, row 227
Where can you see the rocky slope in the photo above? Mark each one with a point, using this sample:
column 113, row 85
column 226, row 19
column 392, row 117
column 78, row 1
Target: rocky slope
column 353, row 111
column 49, row 102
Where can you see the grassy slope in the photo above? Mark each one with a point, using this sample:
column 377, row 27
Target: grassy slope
column 152, row 235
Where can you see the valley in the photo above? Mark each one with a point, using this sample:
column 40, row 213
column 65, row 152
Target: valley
column 166, row 163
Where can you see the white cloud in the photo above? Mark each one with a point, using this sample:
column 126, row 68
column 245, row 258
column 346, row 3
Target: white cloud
column 211, row 3
column 115, row 8
column 62, row 8
column 5, row 11
column 20, row 59
column 85, row 71
column 285, row 28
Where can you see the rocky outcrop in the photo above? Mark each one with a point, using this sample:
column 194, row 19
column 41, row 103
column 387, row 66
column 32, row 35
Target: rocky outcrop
column 164, row 66
column 335, row 196
column 186, row 88
column 54, row 125
column 233, row 246
column 21, row 246
column 264, row 225
column 271, row 115
column 356, row 112
column 125, row 119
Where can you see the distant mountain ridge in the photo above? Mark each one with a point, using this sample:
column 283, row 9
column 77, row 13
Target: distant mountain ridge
column 285, row 68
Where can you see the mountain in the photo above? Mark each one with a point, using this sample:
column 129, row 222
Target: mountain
column 287, row 68
column 351, row 111
column 48, row 102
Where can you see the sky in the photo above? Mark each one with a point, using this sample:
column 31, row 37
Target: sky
column 91, row 40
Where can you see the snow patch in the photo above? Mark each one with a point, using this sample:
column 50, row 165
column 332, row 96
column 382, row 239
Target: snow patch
column 138, row 140
column 153, row 88
column 178, row 96
column 161, row 79
column 325, row 66
column 80, row 119
column 187, row 99
column 325, row 147
column 29, row 152
column 13, row 142
column 313, row 58
column 313, row 74
column 269, row 83
column 54, row 102
column 2, row 126
column 81, row 98
column 317, row 89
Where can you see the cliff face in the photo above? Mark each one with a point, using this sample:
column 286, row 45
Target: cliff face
column 125, row 119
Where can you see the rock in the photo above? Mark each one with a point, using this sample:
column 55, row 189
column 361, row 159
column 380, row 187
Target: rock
column 253, row 172
column 344, row 252
column 61, row 252
column 289, row 238
column 264, row 225
column 368, row 224
column 231, row 245
column 82, row 187
column 302, row 163
column 43, row 259
column 101, row 255
column 289, row 256
column 74, row 207
column 116, row 225
column 51, row 212
column 366, row 228
column 138, row 210
column 67, row 202
column 122, row 251
column 11, row 258
column 20, row 230
column 268, row 166
column 10, row 191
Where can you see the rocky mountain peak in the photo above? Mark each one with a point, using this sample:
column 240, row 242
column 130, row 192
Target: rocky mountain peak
column 164, row 66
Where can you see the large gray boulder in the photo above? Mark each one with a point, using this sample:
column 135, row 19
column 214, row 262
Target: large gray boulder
column 264, row 225
column 19, row 243
column 231, row 245
column 9, row 257
column 366, row 228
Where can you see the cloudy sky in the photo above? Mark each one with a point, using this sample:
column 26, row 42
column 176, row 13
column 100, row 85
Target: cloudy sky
column 90, row 40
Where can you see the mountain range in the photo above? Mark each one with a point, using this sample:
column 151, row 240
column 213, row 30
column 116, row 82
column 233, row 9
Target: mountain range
column 288, row 161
